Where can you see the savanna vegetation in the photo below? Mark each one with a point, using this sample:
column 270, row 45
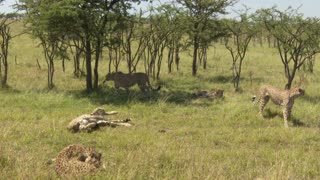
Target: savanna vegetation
column 48, row 83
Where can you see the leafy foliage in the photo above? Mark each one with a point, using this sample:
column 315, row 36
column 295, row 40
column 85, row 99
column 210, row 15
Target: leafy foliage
column 241, row 32
column 55, row 21
column 297, row 38
column 200, row 15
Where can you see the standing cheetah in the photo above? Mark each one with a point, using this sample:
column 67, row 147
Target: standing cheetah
column 284, row 98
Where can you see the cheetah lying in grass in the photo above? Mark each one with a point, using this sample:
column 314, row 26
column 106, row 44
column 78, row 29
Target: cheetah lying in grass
column 284, row 98
column 77, row 160
column 208, row 94
column 96, row 119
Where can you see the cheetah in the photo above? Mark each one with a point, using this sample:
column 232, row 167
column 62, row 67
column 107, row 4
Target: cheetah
column 284, row 98
column 127, row 80
column 89, row 122
column 76, row 160
column 208, row 94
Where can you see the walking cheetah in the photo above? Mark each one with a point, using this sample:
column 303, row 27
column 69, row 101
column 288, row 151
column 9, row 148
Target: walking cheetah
column 127, row 80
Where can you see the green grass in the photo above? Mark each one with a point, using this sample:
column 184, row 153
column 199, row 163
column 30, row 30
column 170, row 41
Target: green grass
column 174, row 136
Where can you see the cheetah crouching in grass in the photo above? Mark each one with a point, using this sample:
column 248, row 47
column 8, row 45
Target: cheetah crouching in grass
column 77, row 160
column 284, row 98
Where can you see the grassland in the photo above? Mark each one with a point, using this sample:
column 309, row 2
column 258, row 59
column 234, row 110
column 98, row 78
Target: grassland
column 174, row 137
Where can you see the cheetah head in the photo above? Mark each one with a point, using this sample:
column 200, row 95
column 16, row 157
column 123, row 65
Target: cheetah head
column 109, row 77
column 92, row 157
column 297, row 91
column 99, row 112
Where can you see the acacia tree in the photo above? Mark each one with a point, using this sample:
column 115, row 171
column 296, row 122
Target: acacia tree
column 77, row 50
column 215, row 30
column 297, row 38
column 168, row 26
column 115, row 51
column 52, row 48
column 127, row 41
column 5, row 37
column 200, row 12
column 174, row 21
column 158, row 42
column 45, row 23
column 309, row 65
column 94, row 18
column 134, row 34
column 241, row 32
column 84, row 19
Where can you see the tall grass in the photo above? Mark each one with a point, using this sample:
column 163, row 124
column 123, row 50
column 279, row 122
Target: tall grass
column 174, row 136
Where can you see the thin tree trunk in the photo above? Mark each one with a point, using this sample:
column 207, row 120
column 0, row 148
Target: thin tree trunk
column 96, row 65
column 177, row 57
column 50, row 73
column 170, row 59
column 76, row 61
column 204, row 56
column 5, row 34
column 195, row 55
column 289, row 83
column 5, row 63
column 160, row 57
column 110, row 59
column 129, row 54
column 88, row 62
column 63, row 65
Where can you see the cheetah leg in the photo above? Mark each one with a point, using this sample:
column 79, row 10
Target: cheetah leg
column 286, row 116
column 263, row 103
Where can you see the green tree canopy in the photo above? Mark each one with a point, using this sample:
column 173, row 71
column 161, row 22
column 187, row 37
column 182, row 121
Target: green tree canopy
column 241, row 31
column 200, row 14
column 297, row 38
column 84, row 19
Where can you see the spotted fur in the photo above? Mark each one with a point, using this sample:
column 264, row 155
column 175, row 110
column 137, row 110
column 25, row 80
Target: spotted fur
column 76, row 160
column 284, row 98
column 127, row 80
